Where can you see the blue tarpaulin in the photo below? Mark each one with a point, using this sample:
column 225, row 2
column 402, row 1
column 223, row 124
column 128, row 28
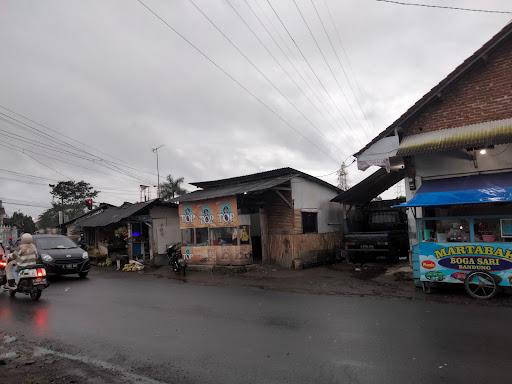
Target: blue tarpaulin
column 475, row 189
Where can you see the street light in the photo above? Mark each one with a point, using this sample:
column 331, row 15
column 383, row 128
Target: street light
column 155, row 151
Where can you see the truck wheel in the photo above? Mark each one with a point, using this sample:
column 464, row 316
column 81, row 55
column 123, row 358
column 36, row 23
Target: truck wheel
column 35, row 294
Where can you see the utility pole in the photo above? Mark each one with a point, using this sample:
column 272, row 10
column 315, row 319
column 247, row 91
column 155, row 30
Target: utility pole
column 155, row 151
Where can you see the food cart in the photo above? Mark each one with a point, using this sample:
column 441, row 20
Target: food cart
column 464, row 234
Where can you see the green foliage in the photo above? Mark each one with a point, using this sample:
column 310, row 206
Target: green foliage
column 23, row 222
column 70, row 192
column 70, row 198
column 171, row 188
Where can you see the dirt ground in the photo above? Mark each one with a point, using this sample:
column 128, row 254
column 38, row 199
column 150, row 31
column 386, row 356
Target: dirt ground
column 371, row 279
column 22, row 362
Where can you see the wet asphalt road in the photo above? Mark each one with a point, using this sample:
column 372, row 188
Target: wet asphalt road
column 182, row 333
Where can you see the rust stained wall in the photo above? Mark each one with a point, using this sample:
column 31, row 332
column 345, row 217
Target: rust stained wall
column 218, row 255
column 482, row 94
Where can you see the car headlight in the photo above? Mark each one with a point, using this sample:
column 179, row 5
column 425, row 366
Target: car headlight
column 47, row 258
column 85, row 255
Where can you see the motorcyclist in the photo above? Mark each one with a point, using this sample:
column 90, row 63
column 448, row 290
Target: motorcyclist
column 2, row 251
column 25, row 256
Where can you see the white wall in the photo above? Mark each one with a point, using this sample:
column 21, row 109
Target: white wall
column 459, row 163
column 309, row 196
column 166, row 227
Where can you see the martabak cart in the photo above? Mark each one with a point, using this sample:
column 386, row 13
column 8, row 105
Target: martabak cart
column 464, row 233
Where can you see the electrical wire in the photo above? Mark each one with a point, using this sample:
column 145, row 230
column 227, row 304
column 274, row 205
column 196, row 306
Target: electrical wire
column 232, row 78
column 257, row 69
column 324, row 58
column 91, row 157
column 446, row 7
column 292, row 64
column 368, row 122
column 312, row 70
column 283, row 69
column 50, row 147
column 72, row 139
column 361, row 91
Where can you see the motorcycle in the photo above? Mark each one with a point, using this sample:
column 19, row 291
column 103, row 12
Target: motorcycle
column 32, row 281
column 3, row 277
column 176, row 261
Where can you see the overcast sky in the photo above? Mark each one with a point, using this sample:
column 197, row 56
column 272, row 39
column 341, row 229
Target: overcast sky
column 112, row 81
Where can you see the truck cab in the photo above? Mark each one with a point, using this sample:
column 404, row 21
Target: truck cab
column 377, row 230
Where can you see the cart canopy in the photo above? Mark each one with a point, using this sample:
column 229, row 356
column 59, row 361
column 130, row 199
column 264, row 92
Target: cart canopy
column 474, row 189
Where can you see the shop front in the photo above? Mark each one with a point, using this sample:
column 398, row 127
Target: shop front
column 213, row 232
column 464, row 233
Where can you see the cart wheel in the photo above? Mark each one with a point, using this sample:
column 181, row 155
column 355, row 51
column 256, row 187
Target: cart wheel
column 480, row 285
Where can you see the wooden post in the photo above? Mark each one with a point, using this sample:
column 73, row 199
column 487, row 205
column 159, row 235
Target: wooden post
column 265, row 254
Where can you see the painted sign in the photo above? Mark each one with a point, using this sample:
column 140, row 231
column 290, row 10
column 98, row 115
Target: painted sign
column 220, row 212
column 451, row 262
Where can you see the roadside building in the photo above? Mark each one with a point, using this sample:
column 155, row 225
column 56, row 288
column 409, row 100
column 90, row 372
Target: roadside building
column 454, row 147
column 138, row 230
column 271, row 217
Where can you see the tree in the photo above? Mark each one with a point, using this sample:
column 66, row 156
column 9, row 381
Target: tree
column 69, row 197
column 21, row 221
column 171, row 188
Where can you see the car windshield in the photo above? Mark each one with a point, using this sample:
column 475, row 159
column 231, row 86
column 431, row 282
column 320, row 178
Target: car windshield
column 57, row 242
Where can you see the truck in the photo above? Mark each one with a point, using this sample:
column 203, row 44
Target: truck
column 375, row 230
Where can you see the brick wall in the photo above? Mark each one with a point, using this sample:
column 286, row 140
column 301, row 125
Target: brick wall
column 280, row 216
column 483, row 94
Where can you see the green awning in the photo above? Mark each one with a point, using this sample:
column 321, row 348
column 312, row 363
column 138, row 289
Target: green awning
column 470, row 136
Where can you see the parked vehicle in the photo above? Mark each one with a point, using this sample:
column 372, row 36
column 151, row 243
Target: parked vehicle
column 32, row 281
column 3, row 277
column 383, row 233
column 176, row 261
column 61, row 256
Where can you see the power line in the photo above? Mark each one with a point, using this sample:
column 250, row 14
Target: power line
column 311, row 68
column 368, row 122
column 269, row 81
column 324, row 57
column 338, row 36
column 446, row 7
column 95, row 159
column 294, row 66
column 285, row 71
column 72, row 139
column 231, row 77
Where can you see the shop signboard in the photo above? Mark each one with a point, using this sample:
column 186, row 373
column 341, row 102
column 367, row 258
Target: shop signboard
column 451, row 262
column 220, row 212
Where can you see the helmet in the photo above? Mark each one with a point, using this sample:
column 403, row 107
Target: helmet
column 26, row 238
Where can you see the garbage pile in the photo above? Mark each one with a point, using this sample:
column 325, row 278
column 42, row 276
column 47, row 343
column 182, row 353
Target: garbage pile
column 133, row 266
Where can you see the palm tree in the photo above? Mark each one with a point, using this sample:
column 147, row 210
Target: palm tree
column 171, row 188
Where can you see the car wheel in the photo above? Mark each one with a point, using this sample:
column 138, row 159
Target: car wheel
column 35, row 294
column 12, row 293
column 83, row 275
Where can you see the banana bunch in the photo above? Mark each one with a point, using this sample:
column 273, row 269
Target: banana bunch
column 132, row 267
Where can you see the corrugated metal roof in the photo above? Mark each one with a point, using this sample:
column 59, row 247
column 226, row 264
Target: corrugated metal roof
column 115, row 214
column 233, row 189
column 469, row 136
column 279, row 172
column 371, row 187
